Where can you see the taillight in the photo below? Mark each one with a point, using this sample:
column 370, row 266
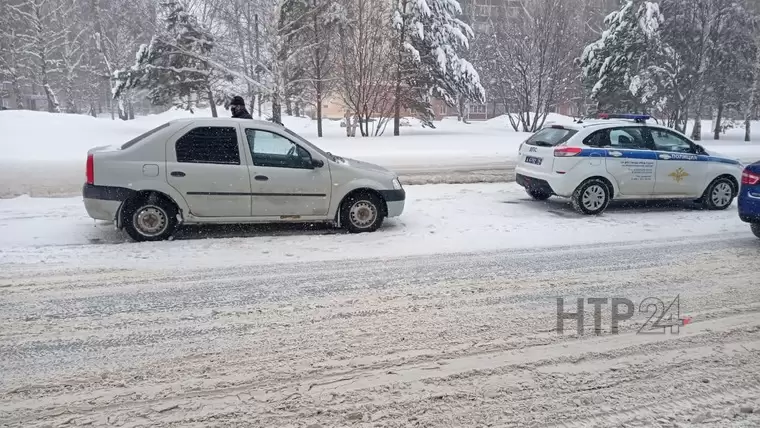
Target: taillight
column 564, row 152
column 90, row 170
column 750, row 178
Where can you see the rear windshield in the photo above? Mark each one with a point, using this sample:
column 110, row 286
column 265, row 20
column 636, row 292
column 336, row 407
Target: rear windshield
column 550, row 137
column 141, row 137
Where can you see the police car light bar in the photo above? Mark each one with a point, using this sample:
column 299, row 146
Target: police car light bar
column 635, row 117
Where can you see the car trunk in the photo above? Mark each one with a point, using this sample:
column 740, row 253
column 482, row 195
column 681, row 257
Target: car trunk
column 537, row 152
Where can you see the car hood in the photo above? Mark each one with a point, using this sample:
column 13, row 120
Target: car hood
column 366, row 166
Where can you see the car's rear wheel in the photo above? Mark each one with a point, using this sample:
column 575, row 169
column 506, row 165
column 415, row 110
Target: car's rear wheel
column 755, row 229
column 719, row 195
column 149, row 219
column 592, row 197
column 538, row 195
column 362, row 213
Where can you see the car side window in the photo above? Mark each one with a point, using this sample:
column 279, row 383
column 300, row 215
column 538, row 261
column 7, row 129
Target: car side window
column 627, row 138
column 272, row 150
column 209, row 144
column 668, row 141
column 597, row 139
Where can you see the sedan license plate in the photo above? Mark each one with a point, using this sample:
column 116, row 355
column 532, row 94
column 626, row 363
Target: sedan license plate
column 533, row 160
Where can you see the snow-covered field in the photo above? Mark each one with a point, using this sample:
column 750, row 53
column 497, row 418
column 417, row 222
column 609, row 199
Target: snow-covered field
column 44, row 154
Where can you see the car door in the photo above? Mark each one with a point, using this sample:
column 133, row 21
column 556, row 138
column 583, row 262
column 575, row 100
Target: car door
column 204, row 165
column 284, row 178
column 629, row 159
column 680, row 173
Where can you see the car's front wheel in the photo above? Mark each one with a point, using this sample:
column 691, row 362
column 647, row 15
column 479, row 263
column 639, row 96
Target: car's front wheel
column 149, row 219
column 755, row 229
column 719, row 194
column 592, row 197
column 538, row 195
column 362, row 213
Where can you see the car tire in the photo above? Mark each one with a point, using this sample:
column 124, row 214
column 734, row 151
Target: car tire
column 362, row 212
column 538, row 195
column 719, row 195
column 592, row 197
column 149, row 219
column 755, row 229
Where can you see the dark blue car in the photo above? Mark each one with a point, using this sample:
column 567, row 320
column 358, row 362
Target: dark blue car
column 749, row 197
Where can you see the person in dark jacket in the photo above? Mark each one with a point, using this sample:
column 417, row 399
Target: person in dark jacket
column 237, row 107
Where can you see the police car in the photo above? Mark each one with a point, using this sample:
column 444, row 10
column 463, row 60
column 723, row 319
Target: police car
column 622, row 157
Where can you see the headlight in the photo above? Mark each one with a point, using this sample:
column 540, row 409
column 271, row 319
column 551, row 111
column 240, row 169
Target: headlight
column 396, row 184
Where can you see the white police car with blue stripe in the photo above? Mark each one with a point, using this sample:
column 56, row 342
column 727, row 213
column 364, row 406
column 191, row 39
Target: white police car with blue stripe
column 622, row 157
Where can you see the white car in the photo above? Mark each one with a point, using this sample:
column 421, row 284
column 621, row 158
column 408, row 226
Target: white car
column 622, row 157
column 232, row 171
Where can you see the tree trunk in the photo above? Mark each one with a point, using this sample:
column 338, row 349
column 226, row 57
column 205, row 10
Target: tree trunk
column 696, row 132
column 718, row 120
column 319, row 108
column 399, row 60
column 747, row 129
column 211, row 102
column 276, row 108
column 17, row 92
column 288, row 107
column 130, row 110
column 751, row 102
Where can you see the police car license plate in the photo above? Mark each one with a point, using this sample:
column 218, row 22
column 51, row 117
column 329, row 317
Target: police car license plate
column 533, row 160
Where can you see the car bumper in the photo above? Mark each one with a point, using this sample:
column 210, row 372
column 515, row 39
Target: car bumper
column 103, row 202
column 749, row 205
column 553, row 184
column 394, row 201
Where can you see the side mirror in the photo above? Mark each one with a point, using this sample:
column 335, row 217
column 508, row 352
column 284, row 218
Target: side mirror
column 316, row 163
column 700, row 150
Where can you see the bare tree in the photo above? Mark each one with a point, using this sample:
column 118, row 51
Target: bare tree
column 365, row 69
column 533, row 56
column 320, row 29
column 14, row 64
column 42, row 41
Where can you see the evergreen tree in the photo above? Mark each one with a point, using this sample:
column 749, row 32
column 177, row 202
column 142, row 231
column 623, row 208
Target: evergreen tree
column 173, row 68
column 429, row 40
column 621, row 68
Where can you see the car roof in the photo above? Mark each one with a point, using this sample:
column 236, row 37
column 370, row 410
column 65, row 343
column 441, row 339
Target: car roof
column 591, row 123
column 223, row 119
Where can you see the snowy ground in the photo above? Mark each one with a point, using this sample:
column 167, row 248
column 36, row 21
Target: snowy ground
column 289, row 328
column 438, row 219
column 44, row 154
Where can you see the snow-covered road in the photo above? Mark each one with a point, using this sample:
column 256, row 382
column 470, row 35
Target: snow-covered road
column 444, row 317
column 461, row 340
column 437, row 219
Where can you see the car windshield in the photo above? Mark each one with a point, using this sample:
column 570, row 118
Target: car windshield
column 328, row 155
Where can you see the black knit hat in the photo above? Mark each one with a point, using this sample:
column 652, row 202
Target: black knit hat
column 238, row 101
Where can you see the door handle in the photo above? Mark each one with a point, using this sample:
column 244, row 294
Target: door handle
column 261, row 178
column 178, row 174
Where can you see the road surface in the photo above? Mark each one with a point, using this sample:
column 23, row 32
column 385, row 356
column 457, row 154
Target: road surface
column 464, row 340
